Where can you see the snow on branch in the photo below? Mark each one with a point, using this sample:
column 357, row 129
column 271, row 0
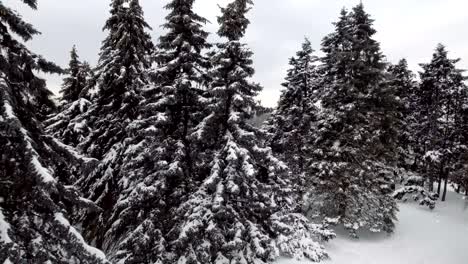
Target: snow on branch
column 74, row 233
column 414, row 188
column 4, row 227
column 44, row 173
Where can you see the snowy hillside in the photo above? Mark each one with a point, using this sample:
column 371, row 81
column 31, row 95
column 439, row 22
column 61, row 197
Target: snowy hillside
column 421, row 237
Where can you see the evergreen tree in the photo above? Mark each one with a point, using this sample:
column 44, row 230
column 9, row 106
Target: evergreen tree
column 442, row 98
column 459, row 171
column 404, row 85
column 36, row 198
column 74, row 104
column 123, row 60
column 355, row 139
column 413, row 186
column 158, row 161
column 163, row 150
column 121, row 72
column 76, row 81
column 291, row 123
column 244, row 210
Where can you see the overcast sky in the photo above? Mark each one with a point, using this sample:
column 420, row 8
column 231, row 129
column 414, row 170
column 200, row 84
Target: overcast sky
column 406, row 28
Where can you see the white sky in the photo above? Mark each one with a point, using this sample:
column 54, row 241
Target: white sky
column 406, row 28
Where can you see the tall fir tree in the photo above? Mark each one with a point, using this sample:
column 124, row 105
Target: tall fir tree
column 121, row 72
column 404, row 85
column 354, row 140
column 290, row 125
column 36, row 198
column 244, row 210
column 459, row 170
column 123, row 61
column 181, row 78
column 442, row 99
column 75, row 82
column 413, row 185
column 74, row 103
column 159, row 160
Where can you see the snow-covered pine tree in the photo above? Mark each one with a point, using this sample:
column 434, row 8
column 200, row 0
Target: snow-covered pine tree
column 354, row 137
column 75, row 82
column 244, row 210
column 35, row 198
column 442, row 98
column 459, row 175
column 404, row 85
column 413, row 185
column 121, row 72
column 74, row 103
column 123, row 61
column 90, row 90
column 290, row 124
column 161, row 160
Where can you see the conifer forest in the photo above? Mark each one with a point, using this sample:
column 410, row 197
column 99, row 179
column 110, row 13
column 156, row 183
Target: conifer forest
column 162, row 153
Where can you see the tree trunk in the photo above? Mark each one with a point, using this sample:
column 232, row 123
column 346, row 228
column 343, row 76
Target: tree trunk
column 445, row 186
column 439, row 185
column 458, row 188
column 441, row 175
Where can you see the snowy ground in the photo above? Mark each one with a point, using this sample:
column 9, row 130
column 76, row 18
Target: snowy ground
column 421, row 237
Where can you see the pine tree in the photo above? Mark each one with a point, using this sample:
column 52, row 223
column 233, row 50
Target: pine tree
column 459, row 169
column 244, row 210
column 442, row 98
column 123, row 61
column 354, row 140
column 404, row 85
column 291, row 123
column 74, row 104
column 35, row 213
column 161, row 160
column 76, row 81
column 413, row 185
column 120, row 74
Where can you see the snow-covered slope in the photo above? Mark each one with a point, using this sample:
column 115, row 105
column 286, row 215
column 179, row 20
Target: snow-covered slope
column 421, row 237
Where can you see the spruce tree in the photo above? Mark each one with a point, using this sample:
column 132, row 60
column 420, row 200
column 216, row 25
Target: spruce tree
column 123, row 60
column 159, row 162
column 76, row 81
column 413, row 185
column 355, row 139
column 36, row 198
column 442, row 98
column 74, row 104
column 404, row 85
column 119, row 75
column 291, row 123
column 244, row 210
